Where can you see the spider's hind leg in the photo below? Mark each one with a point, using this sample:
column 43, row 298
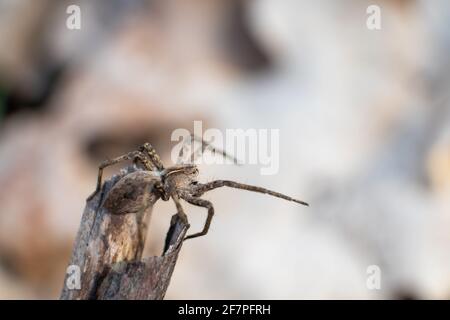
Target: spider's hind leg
column 134, row 155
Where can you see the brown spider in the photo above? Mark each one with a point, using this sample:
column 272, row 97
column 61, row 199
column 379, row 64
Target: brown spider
column 179, row 181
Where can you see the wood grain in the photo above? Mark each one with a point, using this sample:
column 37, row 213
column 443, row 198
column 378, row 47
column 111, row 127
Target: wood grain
column 110, row 241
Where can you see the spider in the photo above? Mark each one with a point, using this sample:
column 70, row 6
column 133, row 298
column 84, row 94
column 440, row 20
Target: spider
column 180, row 181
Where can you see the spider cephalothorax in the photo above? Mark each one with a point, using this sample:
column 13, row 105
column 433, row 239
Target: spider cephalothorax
column 180, row 176
column 178, row 179
column 180, row 182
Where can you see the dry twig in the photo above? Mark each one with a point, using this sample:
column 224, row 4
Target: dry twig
column 110, row 241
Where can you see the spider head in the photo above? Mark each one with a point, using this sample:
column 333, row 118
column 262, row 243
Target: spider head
column 180, row 176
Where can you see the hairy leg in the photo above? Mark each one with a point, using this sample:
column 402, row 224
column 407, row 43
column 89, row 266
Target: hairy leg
column 200, row 203
column 204, row 145
column 202, row 188
column 148, row 149
column 180, row 210
column 134, row 155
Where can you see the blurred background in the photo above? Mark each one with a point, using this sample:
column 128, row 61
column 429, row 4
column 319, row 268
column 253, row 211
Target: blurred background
column 364, row 119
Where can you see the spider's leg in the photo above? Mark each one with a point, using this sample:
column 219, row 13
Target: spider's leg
column 150, row 152
column 181, row 154
column 202, row 188
column 162, row 192
column 180, row 210
column 129, row 156
column 200, row 203
column 193, row 153
column 204, row 145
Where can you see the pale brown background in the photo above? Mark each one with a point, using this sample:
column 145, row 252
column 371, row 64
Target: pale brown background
column 364, row 120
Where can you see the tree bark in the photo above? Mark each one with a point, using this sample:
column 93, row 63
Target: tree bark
column 108, row 248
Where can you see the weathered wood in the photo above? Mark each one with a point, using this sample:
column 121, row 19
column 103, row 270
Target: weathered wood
column 110, row 241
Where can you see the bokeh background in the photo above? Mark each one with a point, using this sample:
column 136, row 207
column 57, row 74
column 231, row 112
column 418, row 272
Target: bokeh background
column 364, row 119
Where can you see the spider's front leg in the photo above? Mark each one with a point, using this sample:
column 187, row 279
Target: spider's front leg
column 205, row 187
column 200, row 203
column 180, row 210
column 195, row 153
column 134, row 155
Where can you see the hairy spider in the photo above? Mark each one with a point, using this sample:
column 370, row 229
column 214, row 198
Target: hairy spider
column 180, row 181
